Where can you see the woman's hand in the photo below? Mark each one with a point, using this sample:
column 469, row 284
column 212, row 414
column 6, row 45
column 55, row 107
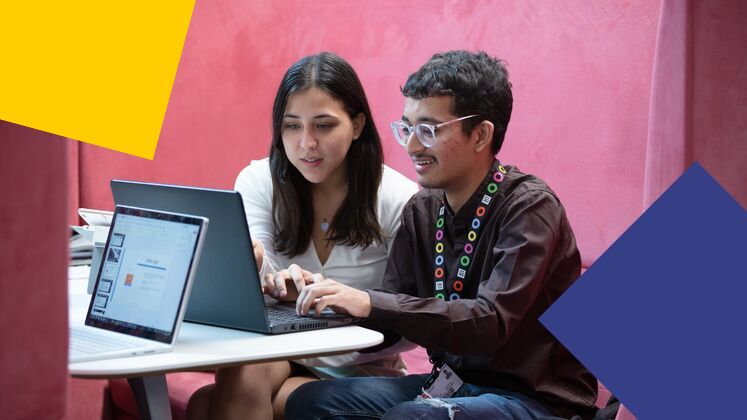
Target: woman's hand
column 259, row 252
column 286, row 284
column 336, row 296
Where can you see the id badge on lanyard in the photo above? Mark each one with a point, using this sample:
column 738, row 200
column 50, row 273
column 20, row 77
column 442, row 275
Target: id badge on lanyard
column 443, row 383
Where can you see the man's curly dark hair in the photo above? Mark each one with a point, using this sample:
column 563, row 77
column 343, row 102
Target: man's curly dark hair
column 477, row 82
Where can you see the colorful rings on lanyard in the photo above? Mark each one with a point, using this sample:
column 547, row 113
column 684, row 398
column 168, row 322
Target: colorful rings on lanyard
column 469, row 248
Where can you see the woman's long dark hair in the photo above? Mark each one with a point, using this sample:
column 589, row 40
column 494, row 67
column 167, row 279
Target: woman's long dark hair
column 355, row 222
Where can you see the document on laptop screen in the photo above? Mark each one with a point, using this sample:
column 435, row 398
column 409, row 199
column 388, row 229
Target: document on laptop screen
column 144, row 271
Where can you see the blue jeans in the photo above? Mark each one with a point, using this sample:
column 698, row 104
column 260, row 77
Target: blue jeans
column 396, row 398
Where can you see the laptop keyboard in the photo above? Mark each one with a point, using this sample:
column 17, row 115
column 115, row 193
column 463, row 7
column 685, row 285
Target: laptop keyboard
column 280, row 316
column 89, row 342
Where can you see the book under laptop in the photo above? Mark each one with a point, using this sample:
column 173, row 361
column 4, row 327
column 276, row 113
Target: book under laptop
column 227, row 291
column 143, row 283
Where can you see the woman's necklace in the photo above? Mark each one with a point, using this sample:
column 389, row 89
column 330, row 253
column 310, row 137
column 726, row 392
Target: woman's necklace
column 328, row 207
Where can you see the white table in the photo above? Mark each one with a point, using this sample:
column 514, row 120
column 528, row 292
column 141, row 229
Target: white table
column 200, row 347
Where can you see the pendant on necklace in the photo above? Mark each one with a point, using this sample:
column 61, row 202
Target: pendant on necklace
column 324, row 226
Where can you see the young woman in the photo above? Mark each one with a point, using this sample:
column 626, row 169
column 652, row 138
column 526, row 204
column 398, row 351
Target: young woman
column 325, row 203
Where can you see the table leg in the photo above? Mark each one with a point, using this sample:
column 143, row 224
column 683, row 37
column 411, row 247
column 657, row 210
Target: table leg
column 152, row 397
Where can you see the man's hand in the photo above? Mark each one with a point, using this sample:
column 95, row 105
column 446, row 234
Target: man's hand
column 285, row 285
column 338, row 297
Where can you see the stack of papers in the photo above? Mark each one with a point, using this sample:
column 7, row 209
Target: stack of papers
column 81, row 245
column 84, row 238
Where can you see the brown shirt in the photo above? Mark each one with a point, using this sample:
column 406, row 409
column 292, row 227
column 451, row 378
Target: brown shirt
column 525, row 257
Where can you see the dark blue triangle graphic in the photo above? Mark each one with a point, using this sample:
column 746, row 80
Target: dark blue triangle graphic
column 661, row 317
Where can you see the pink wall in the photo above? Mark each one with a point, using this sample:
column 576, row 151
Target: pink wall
column 581, row 75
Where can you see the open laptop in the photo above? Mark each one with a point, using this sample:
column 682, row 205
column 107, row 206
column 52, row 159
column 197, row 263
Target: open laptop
column 142, row 286
column 227, row 291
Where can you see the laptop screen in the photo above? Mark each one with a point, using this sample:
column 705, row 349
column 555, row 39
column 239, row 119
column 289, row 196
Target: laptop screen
column 143, row 275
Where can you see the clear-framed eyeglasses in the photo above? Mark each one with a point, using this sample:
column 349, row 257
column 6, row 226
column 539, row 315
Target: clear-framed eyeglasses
column 426, row 133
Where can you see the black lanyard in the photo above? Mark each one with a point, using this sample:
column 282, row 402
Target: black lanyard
column 456, row 283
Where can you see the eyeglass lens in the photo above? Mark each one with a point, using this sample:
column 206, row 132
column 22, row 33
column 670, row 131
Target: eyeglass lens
column 403, row 131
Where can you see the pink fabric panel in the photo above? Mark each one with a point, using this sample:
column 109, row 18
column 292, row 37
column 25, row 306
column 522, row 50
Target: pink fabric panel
column 73, row 176
column 581, row 73
column 699, row 96
column 668, row 151
column 719, row 92
column 603, row 395
column 87, row 399
column 33, row 273
column 417, row 361
column 624, row 414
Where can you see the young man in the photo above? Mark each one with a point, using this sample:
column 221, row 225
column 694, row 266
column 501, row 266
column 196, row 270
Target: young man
column 483, row 251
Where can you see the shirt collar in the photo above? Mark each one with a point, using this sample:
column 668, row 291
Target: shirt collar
column 467, row 210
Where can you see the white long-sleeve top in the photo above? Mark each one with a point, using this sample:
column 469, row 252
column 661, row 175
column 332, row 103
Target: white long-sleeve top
column 352, row 265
